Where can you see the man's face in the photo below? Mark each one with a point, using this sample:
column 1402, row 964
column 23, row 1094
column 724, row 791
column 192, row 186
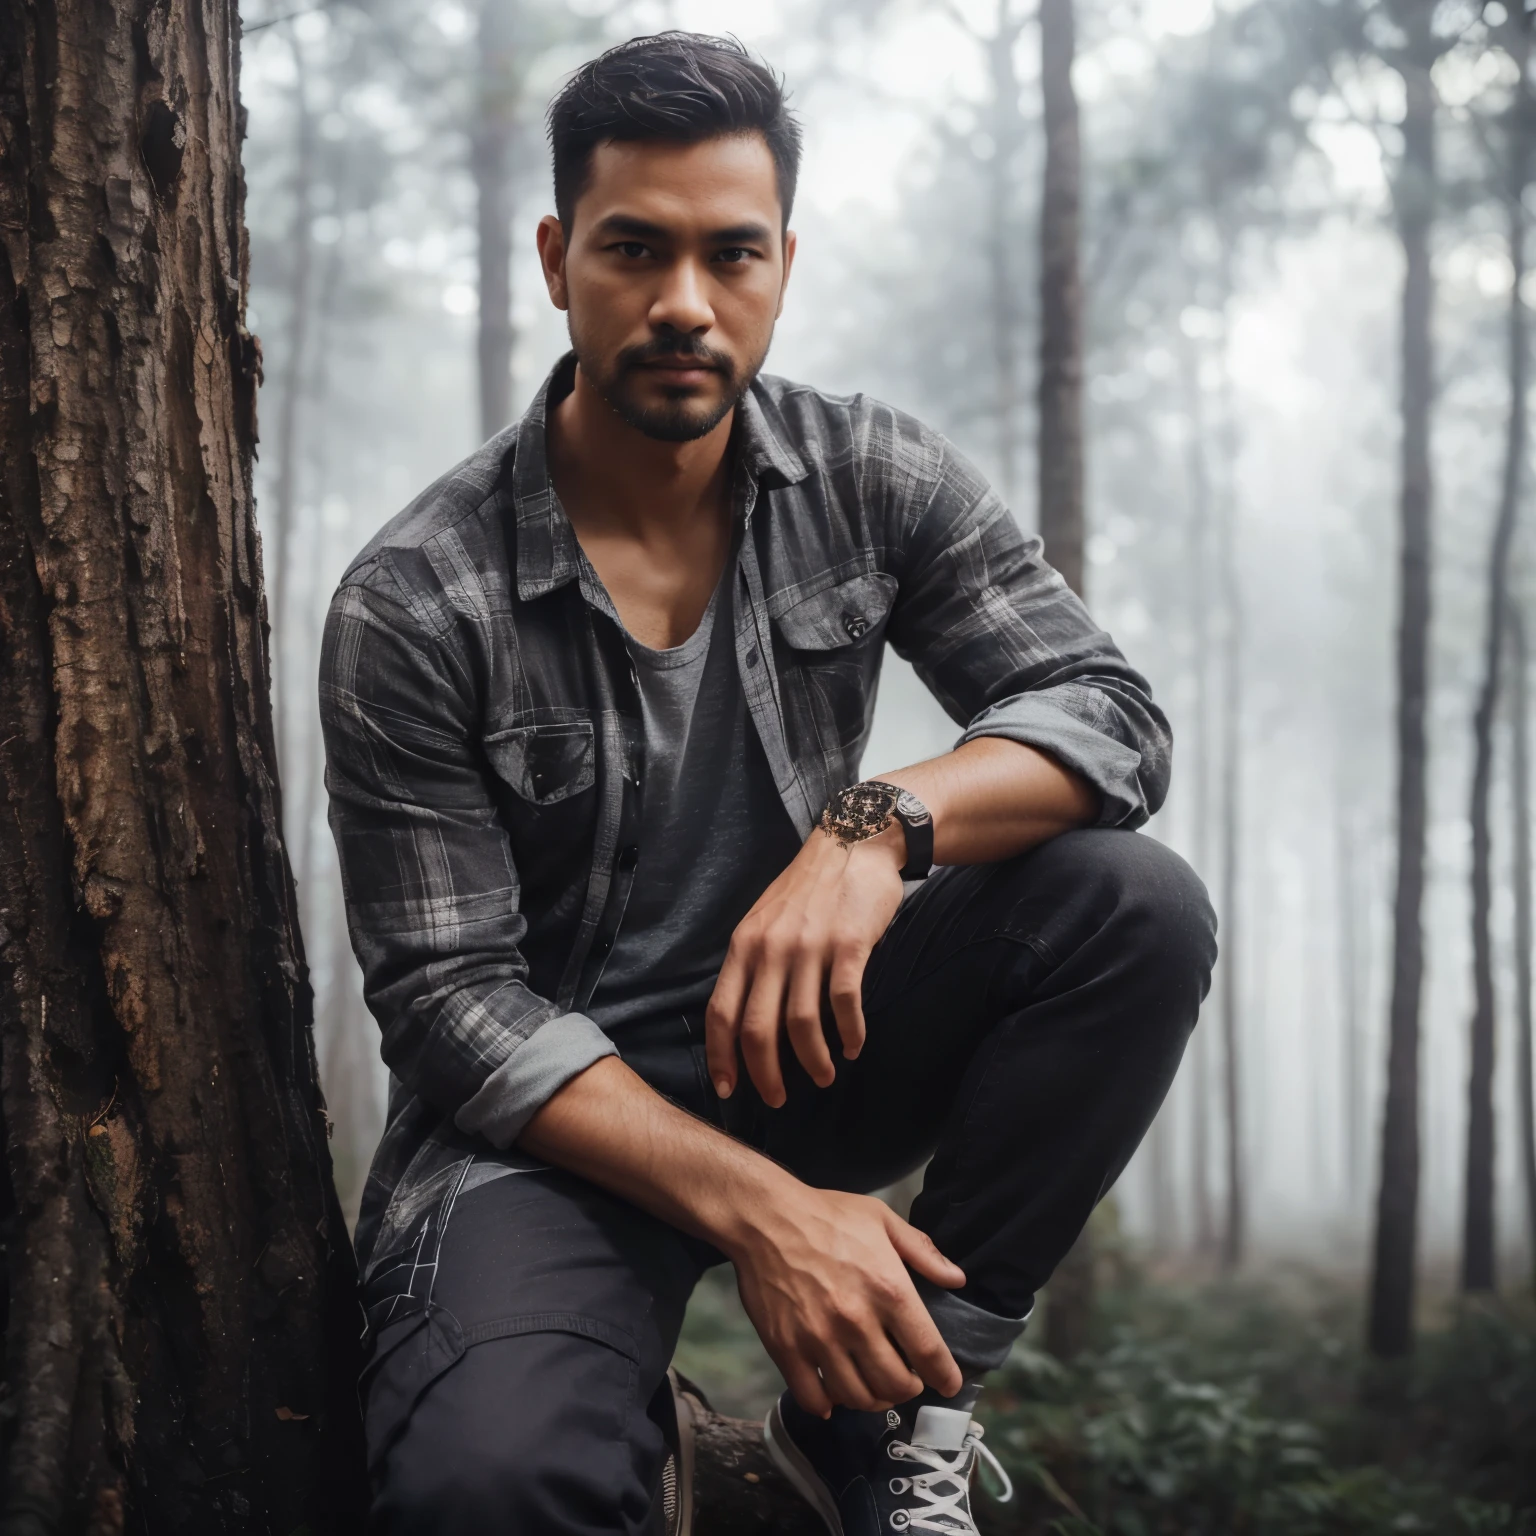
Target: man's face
column 672, row 274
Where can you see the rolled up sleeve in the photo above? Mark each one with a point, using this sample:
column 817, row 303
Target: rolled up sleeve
column 1053, row 721
column 428, row 878
column 1005, row 645
column 555, row 1053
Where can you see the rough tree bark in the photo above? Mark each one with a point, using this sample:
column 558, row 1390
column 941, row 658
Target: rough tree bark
column 1390, row 1325
column 1520, row 773
column 490, row 160
column 178, row 1286
column 1477, row 1246
column 737, row 1489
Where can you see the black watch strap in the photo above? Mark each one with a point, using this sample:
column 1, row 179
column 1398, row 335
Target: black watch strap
column 917, row 822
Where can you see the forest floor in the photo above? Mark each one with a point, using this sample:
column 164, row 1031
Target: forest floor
column 1217, row 1408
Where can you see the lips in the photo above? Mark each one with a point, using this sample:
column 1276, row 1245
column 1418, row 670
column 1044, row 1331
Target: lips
column 681, row 375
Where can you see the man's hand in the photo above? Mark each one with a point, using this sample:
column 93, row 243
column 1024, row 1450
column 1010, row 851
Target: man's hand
column 823, row 1277
column 808, row 935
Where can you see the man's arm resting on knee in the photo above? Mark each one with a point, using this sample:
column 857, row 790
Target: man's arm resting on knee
column 822, row 1274
column 810, row 934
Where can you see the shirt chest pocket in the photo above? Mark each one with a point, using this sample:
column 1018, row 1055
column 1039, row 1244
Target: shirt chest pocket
column 544, row 764
column 828, row 650
column 838, row 617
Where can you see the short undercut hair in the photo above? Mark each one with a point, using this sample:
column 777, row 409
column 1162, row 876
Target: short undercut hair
column 682, row 86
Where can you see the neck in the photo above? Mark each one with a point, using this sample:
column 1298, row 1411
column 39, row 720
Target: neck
column 610, row 477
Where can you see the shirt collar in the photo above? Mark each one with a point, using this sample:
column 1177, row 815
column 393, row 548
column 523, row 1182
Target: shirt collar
column 548, row 555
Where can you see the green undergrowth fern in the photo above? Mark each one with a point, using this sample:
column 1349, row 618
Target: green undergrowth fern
column 1230, row 1410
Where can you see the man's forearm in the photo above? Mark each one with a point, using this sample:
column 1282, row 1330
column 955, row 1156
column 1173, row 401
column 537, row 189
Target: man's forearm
column 992, row 799
column 824, row 1276
column 608, row 1125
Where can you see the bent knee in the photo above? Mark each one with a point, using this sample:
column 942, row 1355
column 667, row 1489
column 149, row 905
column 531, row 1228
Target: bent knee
column 1155, row 903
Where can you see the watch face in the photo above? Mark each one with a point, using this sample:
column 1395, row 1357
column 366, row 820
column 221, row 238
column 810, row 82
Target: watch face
column 912, row 808
column 861, row 810
column 867, row 802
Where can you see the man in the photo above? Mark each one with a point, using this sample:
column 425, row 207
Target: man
column 661, row 982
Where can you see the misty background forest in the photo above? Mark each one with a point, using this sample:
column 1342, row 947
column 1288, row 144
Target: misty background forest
column 1267, row 416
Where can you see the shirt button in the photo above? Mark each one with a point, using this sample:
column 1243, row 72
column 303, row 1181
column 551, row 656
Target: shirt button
column 752, row 657
column 629, row 857
column 856, row 625
column 603, row 946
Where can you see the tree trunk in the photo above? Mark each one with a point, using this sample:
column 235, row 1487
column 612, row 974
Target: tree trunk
column 1520, row 772
column 1060, row 464
column 490, row 159
column 1007, row 131
column 1234, row 1227
column 1478, row 1245
column 1229, row 584
column 1163, row 1202
column 303, row 759
column 295, row 353
column 348, row 1045
column 1352, row 1063
column 737, row 1488
column 1200, row 611
column 179, row 1290
column 1060, row 451
column 1390, row 1327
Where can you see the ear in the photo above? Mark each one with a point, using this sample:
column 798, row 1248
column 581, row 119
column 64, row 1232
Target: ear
column 551, row 242
column 790, row 246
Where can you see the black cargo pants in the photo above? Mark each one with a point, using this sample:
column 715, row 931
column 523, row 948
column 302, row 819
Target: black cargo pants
column 1025, row 1020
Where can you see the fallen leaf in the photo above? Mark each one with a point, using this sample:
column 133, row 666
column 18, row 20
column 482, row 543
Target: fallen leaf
column 288, row 1413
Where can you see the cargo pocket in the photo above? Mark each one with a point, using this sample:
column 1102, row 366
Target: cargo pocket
column 408, row 1355
column 412, row 1353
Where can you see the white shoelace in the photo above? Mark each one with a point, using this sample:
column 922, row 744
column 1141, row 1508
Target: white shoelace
column 953, row 1468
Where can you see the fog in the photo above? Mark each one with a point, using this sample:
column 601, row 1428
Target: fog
column 1243, row 285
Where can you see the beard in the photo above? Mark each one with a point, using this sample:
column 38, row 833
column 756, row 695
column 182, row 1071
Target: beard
column 680, row 417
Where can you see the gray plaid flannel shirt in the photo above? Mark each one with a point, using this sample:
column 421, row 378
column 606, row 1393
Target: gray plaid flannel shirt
column 485, row 758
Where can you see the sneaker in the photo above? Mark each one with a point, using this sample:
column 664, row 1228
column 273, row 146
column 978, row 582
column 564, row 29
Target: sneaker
column 867, row 1474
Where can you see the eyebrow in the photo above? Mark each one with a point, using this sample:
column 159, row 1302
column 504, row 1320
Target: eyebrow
column 628, row 226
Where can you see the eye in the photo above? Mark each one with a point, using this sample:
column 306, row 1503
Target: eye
column 633, row 250
column 735, row 255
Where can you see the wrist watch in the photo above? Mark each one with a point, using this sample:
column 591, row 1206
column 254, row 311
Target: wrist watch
column 866, row 809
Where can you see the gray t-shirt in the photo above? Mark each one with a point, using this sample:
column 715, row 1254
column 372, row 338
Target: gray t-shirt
column 713, row 831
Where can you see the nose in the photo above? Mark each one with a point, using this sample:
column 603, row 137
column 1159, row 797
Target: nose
column 683, row 302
